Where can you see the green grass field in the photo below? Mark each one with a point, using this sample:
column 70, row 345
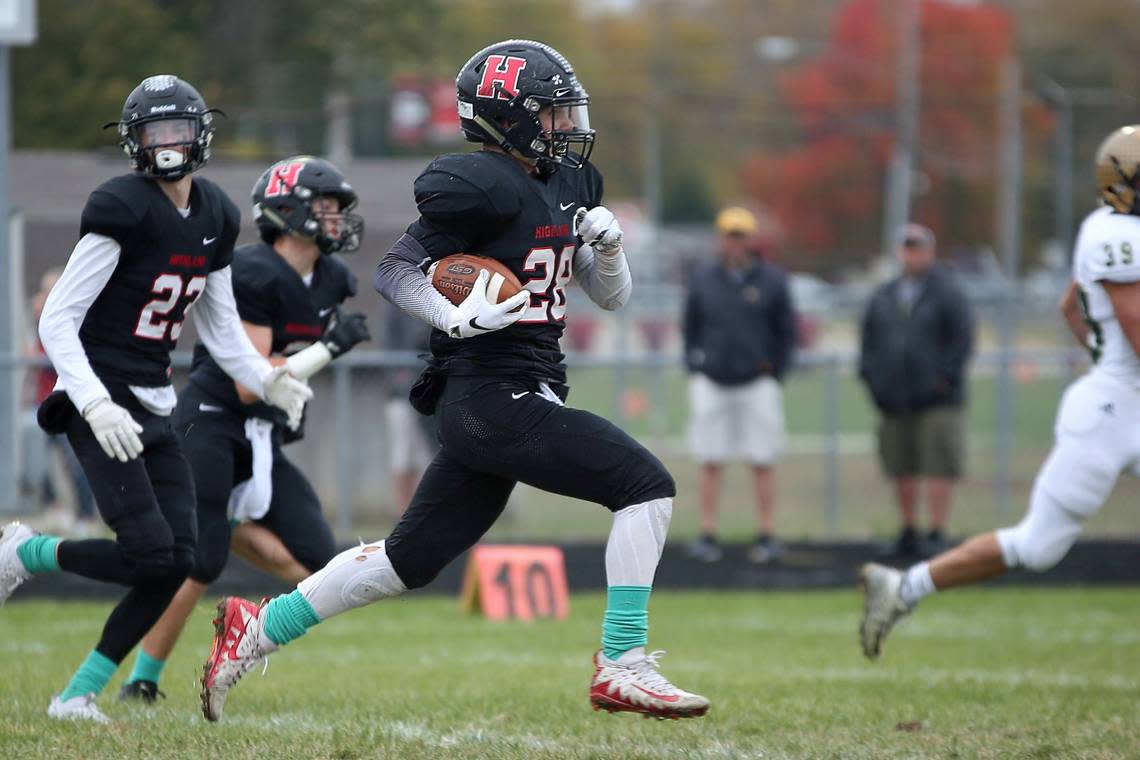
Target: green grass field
column 976, row 674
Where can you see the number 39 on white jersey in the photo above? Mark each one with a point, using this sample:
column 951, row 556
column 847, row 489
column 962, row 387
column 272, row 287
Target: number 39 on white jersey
column 1108, row 249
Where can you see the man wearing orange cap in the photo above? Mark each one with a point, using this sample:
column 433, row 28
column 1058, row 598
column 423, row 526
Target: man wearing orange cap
column 739, row 332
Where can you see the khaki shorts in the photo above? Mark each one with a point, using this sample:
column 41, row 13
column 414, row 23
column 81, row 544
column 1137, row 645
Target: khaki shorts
column 924, row 444
column 736, row 422
column 408, row 445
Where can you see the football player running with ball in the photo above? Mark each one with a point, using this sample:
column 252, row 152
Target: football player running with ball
column 496, row 381
column 152, row 244
column 289, row 289
column 1098, row 423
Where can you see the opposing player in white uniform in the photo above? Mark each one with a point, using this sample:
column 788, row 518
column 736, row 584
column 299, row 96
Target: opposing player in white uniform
column 1098, row 423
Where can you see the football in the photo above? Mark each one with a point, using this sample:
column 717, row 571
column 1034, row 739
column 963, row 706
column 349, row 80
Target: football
column 454, row 275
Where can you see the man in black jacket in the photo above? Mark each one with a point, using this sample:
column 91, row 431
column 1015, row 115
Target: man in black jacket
column 917, row 338
column 739, row 331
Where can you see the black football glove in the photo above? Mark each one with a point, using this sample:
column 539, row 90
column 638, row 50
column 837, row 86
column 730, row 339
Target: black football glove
column 344, row 332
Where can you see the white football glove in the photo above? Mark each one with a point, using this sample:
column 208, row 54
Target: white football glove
column 115, row 429
column 287, row 393
column 476, row 315
column 599, row 229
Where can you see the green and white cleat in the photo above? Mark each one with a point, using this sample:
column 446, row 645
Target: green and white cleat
column 81, row 707
column 882, row 606
column 12, row 570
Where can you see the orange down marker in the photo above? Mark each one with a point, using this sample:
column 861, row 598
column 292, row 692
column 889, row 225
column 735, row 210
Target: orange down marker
column 514, row 582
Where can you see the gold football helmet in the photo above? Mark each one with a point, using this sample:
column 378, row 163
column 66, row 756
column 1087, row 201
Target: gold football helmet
column 1118, row 170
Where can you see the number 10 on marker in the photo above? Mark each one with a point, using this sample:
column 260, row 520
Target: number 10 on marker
column 508, row 582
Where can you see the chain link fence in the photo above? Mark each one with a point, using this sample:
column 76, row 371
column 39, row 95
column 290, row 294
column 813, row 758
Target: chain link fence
column 829, row 482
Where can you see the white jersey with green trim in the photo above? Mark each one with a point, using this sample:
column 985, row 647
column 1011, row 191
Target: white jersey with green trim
column 1108, row 250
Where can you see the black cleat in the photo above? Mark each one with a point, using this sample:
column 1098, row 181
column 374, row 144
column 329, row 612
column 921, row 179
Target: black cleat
column 146, row 692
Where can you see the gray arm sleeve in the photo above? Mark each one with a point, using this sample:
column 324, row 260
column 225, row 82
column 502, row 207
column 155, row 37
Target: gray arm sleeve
column 401, row 280
column 605, row 279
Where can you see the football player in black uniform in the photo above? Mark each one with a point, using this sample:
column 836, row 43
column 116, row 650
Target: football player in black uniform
column 531, row 199
column 152, row 244
column 288, row 289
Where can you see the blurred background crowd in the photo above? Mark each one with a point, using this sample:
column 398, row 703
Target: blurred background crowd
column 827, row 124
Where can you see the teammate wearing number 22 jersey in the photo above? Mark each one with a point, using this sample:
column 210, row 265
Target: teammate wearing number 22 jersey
column 152, row 244
column 1098, row 422
column 496, row 383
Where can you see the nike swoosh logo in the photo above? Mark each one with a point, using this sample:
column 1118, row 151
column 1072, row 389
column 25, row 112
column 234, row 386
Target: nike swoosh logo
column 564, row 206
column 207, row 241
column 478, row 326
column 209, row 408
column 325, row 312
column 662, row 697
column 517, row 396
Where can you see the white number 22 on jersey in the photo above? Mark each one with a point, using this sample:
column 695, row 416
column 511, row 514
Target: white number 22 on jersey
column 548, row 287
column 169, row 287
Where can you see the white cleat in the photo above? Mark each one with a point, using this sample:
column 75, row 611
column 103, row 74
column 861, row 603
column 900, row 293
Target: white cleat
column 77, row 708
column 882, row 606
column 12, row 570
column 239, row 646
column 632, row 684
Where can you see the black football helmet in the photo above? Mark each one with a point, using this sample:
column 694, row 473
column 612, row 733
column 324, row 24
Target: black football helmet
column 501, row 91
column 166, row 128
column 282, row 203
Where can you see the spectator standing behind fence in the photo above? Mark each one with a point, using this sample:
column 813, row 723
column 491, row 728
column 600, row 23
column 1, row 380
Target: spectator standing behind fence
column 410, row 438
column 917, row 339
column 39, row 446
column 739, row 332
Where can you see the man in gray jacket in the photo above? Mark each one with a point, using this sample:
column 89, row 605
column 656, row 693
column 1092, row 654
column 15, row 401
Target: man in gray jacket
column 917, row 339
column 739, row 332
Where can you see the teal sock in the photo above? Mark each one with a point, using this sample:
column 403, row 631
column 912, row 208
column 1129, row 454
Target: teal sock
column 91, row 677
column 288, row 616
column 38, row 554
column 626, row 622
column 146, row 668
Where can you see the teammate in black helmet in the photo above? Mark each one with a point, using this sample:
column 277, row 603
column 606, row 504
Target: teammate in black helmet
column 531, row 199
column 152, row 244
column 289, row 289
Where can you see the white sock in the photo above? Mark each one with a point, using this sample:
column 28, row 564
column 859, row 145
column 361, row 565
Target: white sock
column 917, row 584
column 636, row 541
column 353, row 578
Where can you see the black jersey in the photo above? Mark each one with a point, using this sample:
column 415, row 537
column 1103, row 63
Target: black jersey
column 164, row 260
column 270, row 293
column 486, row 203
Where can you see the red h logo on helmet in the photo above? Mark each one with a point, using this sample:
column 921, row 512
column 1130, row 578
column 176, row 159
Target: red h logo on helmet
column 502, row 70
column 283, row 178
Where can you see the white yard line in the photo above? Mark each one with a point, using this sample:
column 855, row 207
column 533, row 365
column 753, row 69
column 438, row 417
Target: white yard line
column 472, row 736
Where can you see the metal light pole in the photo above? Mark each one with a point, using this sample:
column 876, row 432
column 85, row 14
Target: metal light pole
column 896, row 205
column 8, row 351
column 17, row 27
column 1009, row 245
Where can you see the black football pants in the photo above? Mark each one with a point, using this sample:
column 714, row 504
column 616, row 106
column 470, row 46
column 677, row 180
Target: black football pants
column 494, row 433
column 149, row 504
column 220, row 457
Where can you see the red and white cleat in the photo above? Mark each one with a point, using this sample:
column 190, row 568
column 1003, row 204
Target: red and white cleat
column 239, row 646
column 632, row 684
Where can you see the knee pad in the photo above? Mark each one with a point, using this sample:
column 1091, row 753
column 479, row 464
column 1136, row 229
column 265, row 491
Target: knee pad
column 182, row 562
column 209, row 560
column 649, row 479
column 150, row 567
column 1042, row 538
column 146, row 545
